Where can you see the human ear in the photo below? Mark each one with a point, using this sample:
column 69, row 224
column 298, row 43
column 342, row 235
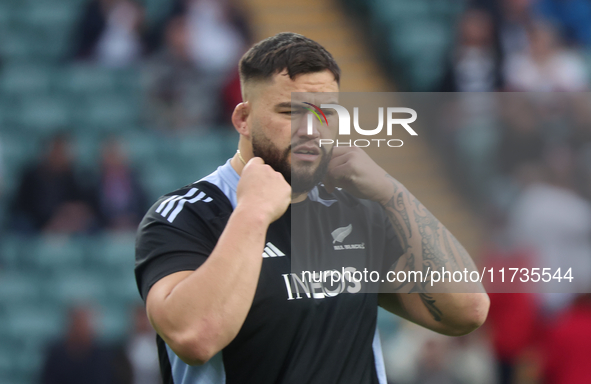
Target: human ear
column 239, row 118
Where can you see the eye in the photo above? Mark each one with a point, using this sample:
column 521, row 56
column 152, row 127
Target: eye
column 292, row 112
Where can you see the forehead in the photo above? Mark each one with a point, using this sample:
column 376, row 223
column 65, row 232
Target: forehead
column 279, row 89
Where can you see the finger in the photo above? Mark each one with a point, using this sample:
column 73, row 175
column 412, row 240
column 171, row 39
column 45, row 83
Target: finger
column 256, row 160
column 339, row 151
column 338, row 160
column 337, row 177
column 338, row 174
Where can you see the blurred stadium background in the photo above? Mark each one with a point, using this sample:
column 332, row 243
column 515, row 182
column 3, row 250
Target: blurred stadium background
column 107, row 104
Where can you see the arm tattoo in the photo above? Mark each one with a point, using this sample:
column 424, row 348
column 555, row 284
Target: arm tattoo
column 433, row 246
column 428, row 227
column 429, row 302
column 391, row 207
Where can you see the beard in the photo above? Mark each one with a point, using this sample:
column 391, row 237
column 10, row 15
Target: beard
column 301, row 180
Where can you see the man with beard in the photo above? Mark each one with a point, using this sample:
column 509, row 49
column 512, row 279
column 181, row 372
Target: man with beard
column 223, row 313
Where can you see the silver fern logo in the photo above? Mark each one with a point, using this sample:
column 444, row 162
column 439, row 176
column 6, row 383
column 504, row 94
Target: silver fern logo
column 339, row 234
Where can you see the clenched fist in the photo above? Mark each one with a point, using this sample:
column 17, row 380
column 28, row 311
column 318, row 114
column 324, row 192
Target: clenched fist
column 263, row 190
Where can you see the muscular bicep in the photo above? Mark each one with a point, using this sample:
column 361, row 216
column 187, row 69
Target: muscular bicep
column 156, row 299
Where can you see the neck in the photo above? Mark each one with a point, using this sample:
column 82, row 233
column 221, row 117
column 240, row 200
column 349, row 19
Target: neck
column 298, row 198
column 238, row 166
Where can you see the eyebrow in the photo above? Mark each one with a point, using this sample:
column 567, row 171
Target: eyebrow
column 288, row 104
column 285, row 104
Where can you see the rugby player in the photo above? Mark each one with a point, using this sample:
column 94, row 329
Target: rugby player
column 213, row 259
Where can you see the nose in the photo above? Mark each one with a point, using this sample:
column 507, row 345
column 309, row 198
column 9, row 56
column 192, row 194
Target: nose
column 307, row 128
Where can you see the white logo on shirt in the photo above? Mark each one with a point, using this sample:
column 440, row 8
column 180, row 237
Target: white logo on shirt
column 339, row 234
column 178, row 202
column 272, row 251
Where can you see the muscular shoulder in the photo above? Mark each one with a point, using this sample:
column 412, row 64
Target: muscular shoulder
column 179, row 232
column 189, row 206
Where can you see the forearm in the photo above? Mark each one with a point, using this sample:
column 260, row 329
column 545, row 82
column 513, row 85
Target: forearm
column 202, row 313
column 429, row 246
column 422, row 235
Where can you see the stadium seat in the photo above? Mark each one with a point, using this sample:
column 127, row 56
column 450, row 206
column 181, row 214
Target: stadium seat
column 6, row 14
column 47, row 14
column 17, row 149
column 28, row 361
column 85, row 79
column 122, row 287
column 72, row 286
column 140, row 146
column 158, row 180
column 86, row 149
column 7, row 363
column 18, row 287
column 393, row 11
column 25, row 79
column 57, row 252
column 155, row 9
column 11, row 251
column 15, row 46
column 32, row 322
column 109, row 112
column 412, row 38
column 127, row 80
column 114, row 251
column 113, row 322
column 45, row 114
column 421, row 46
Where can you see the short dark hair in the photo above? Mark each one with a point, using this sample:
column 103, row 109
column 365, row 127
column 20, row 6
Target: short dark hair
column 286, row 50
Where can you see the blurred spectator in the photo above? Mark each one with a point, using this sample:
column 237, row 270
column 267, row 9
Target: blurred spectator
column 121, row 199
column 231, row 97
column 49, row 196
column 522, row 140
column 515, row 18
column 475, row 65
column 142, row 351
column 434, row 363
column 218, row 33
column 181, row 95
column 573, row 17
column 547, row 66
column 568, row 346
column 513, row 321
column 77, row 358
column 110, row 32
column 414, row 355
column 555, row 222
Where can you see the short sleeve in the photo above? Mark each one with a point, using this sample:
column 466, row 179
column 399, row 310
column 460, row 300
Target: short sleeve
column 165, row 246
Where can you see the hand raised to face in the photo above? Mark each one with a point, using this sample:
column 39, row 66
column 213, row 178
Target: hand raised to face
column 353, row 170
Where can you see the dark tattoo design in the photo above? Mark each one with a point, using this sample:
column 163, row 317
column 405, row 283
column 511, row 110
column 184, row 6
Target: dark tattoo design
column 448, row 250
column 396, row 205
column 401, row 209
column 428, row 227
column 429, row 302
column 439, row 248
column 390, row 209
